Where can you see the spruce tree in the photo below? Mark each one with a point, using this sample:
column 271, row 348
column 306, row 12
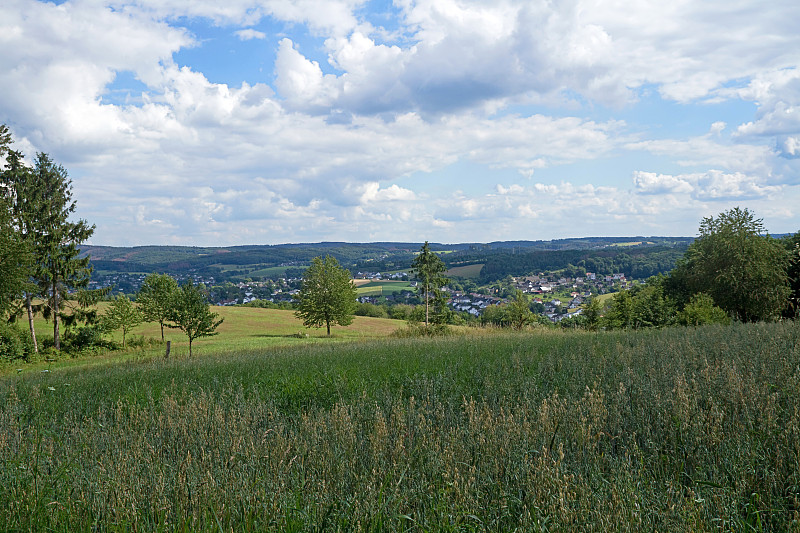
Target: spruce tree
column 429, row 269
column 22, row 194
column 62, row 268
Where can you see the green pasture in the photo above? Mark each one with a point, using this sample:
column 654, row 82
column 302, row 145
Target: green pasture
column 382, row 288
column 467, row 271
column 244, row 328
column 273, row 271
column 631, row 243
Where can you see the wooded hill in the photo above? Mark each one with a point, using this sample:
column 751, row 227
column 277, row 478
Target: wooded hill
column 635, row 256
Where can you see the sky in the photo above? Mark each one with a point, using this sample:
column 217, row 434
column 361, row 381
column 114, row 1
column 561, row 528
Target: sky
column 208, row 123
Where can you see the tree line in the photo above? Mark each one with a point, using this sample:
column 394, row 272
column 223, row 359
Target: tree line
column 39, row 254
column 639, row 263
column 734, row 270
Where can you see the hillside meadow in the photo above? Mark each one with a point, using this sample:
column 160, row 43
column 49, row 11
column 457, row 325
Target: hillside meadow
column 670, row 430
column 244, row 328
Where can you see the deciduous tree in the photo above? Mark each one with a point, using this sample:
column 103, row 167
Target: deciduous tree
column 155, row 298
column 742, row 268
column 519, row 311
column 327, row 295
column 122, row 314
column 192, row 314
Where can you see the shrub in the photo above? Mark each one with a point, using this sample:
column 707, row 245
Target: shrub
column 417, row 329
column 701, row 310
column 371, row 310
column 86, row 338
column 14, row 343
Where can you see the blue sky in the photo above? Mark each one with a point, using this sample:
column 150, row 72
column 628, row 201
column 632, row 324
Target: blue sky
column 271, row 121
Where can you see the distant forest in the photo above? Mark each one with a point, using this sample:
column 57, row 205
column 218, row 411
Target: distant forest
column 636, row 257
column 636, row 263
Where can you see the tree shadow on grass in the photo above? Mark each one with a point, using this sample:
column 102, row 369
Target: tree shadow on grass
column 279, row 336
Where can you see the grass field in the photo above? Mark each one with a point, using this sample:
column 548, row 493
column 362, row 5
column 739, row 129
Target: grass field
column 273, row 271
column 670, row 430
column 379, row 288
column 244, row 328
column 468, row 271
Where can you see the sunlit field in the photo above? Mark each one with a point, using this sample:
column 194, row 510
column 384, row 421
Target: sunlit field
column 244, row 328
column 673, row 430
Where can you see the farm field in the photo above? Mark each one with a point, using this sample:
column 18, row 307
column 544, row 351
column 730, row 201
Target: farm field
column 467, row 271
column 657, row 430
column 379, row 288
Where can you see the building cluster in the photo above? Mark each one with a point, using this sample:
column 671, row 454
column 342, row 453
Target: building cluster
column 587, row 284
column 473, row 303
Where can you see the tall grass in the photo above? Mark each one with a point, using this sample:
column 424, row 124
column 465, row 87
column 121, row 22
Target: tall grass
column 674, row 430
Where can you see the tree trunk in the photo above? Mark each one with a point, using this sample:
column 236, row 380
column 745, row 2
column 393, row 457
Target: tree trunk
column 162, row 330
column 328, row 323
column 427, row 304
column 56, row 338
column 190, row 346
column 30, row 322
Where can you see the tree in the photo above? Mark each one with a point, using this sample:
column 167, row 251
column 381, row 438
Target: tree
column 428, row 268
column 652, row 308
column 518, row 311
column 621, row 313
column 41, row 205
column 5, row 140
column 701, row 310
column 61, row 267
column 122, row 314
column 593, row 313
column 20, row 193
column 15, row 262
column 192, row 314
column 792, row 245
column 155, row 298
column 738, row 265
column 327, row 296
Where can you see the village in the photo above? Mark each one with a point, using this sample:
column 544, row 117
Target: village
column 552, row 295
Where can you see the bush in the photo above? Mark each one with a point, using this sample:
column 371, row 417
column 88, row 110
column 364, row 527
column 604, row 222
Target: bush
column 371, row 310
column 417, row 329
column 701, row 310
column 140, row 341
column 15, row 343
column 86, row 339
column 401, row 311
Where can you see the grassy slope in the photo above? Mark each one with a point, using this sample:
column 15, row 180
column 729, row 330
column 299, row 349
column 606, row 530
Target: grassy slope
column 675, row 430
column 468, row 271
column 244, row 328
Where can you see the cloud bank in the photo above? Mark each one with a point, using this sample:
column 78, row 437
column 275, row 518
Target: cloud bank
column 432, row 119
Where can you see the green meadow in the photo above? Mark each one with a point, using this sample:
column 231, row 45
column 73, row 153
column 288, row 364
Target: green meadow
column 244, row 328
column 658, row 430
column 382, row 288
column 466, row 271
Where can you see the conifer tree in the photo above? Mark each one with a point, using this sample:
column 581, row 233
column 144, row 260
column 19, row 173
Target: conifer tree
column 21, row 194
column 429, row 269
column 41, row 210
